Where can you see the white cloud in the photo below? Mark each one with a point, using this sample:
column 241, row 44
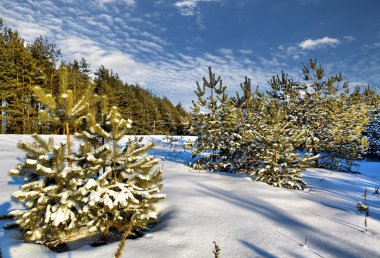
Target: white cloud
column 311, row 44
column 128, row 2
column 307, row 2
column 274, row 62
column 286, row 51
column 225, row 51
column 245, row 51
column 349, row 38
column 372, row 46
column 187, row 8
column 191, row 8
column 359, row 84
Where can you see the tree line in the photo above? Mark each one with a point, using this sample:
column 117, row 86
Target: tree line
column 23, row 66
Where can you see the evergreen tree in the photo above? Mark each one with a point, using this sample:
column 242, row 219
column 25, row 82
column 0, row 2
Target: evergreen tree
column 349, row 143
column 325, row 108
column 372, row 132
column 213, row 121
column 275, row 142
column 15, row 78
column 46, row 56
column 372, row 129
column 64, row 203
column 250, row 105
column 51, row 213
column 126, row 187
column 62, row 108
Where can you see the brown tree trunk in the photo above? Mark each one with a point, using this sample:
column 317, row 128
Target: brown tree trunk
column 114, row 161
column 70, row 162
column 29, row 107
column 124, row 236
column 214, row 156
column 275, row 161
column 23, row 105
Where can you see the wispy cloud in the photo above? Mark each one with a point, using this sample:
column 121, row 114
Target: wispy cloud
column 349, row 38
column 226, row 51
column 371, row 46
column 311, row 44
column 245, row 51
column 192, row 8
column 128, row 2
column 187, row 8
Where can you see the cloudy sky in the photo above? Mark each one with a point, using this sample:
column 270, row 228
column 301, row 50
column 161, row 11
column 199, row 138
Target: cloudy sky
column 167, row 45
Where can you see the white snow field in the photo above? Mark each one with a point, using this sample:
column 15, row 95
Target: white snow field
column 245, row 218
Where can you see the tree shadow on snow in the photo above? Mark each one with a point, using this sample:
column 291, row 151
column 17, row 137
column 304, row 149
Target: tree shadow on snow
column 164, row 218
column 183, row 157
column 4, row 208
column 16, row 181
column 259, row 251
column 11, row 239
column 321, row 241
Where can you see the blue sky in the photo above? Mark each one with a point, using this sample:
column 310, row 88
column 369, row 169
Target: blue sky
column 167, row 45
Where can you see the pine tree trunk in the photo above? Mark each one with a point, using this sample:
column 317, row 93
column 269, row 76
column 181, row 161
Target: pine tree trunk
column 275, row 162
column 70, row 162
column 28, row 112
column 105, row 232
column 104, row 167
column 51, row 83
column 315, row 153
column 1, row 114
column 23, row 106
column 114, row 161
column 124, row 236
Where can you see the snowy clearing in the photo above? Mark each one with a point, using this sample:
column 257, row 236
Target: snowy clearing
column 245, row 218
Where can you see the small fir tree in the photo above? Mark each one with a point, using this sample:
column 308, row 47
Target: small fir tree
column 51, row 213
column 126, row 188
column 349, row 143
column 334, row 118
column 276, row 142
column 64, row 202
column 62, row 108
column 213, row 121
column 372, row 129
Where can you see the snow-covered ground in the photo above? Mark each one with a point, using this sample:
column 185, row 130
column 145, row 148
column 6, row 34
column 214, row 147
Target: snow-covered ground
column 245, row 218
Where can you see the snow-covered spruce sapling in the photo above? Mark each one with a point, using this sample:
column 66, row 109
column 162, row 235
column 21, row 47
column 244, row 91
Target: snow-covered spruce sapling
column 50, row 215
column 127, row 187
column 276, row 142
column 334, row 117
column 213, row 121
column 66, row 203
column 364, row 208
column 372, row 132
column 242, row 154
column 348, row 143
column 37, row 152
column 62, row 108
